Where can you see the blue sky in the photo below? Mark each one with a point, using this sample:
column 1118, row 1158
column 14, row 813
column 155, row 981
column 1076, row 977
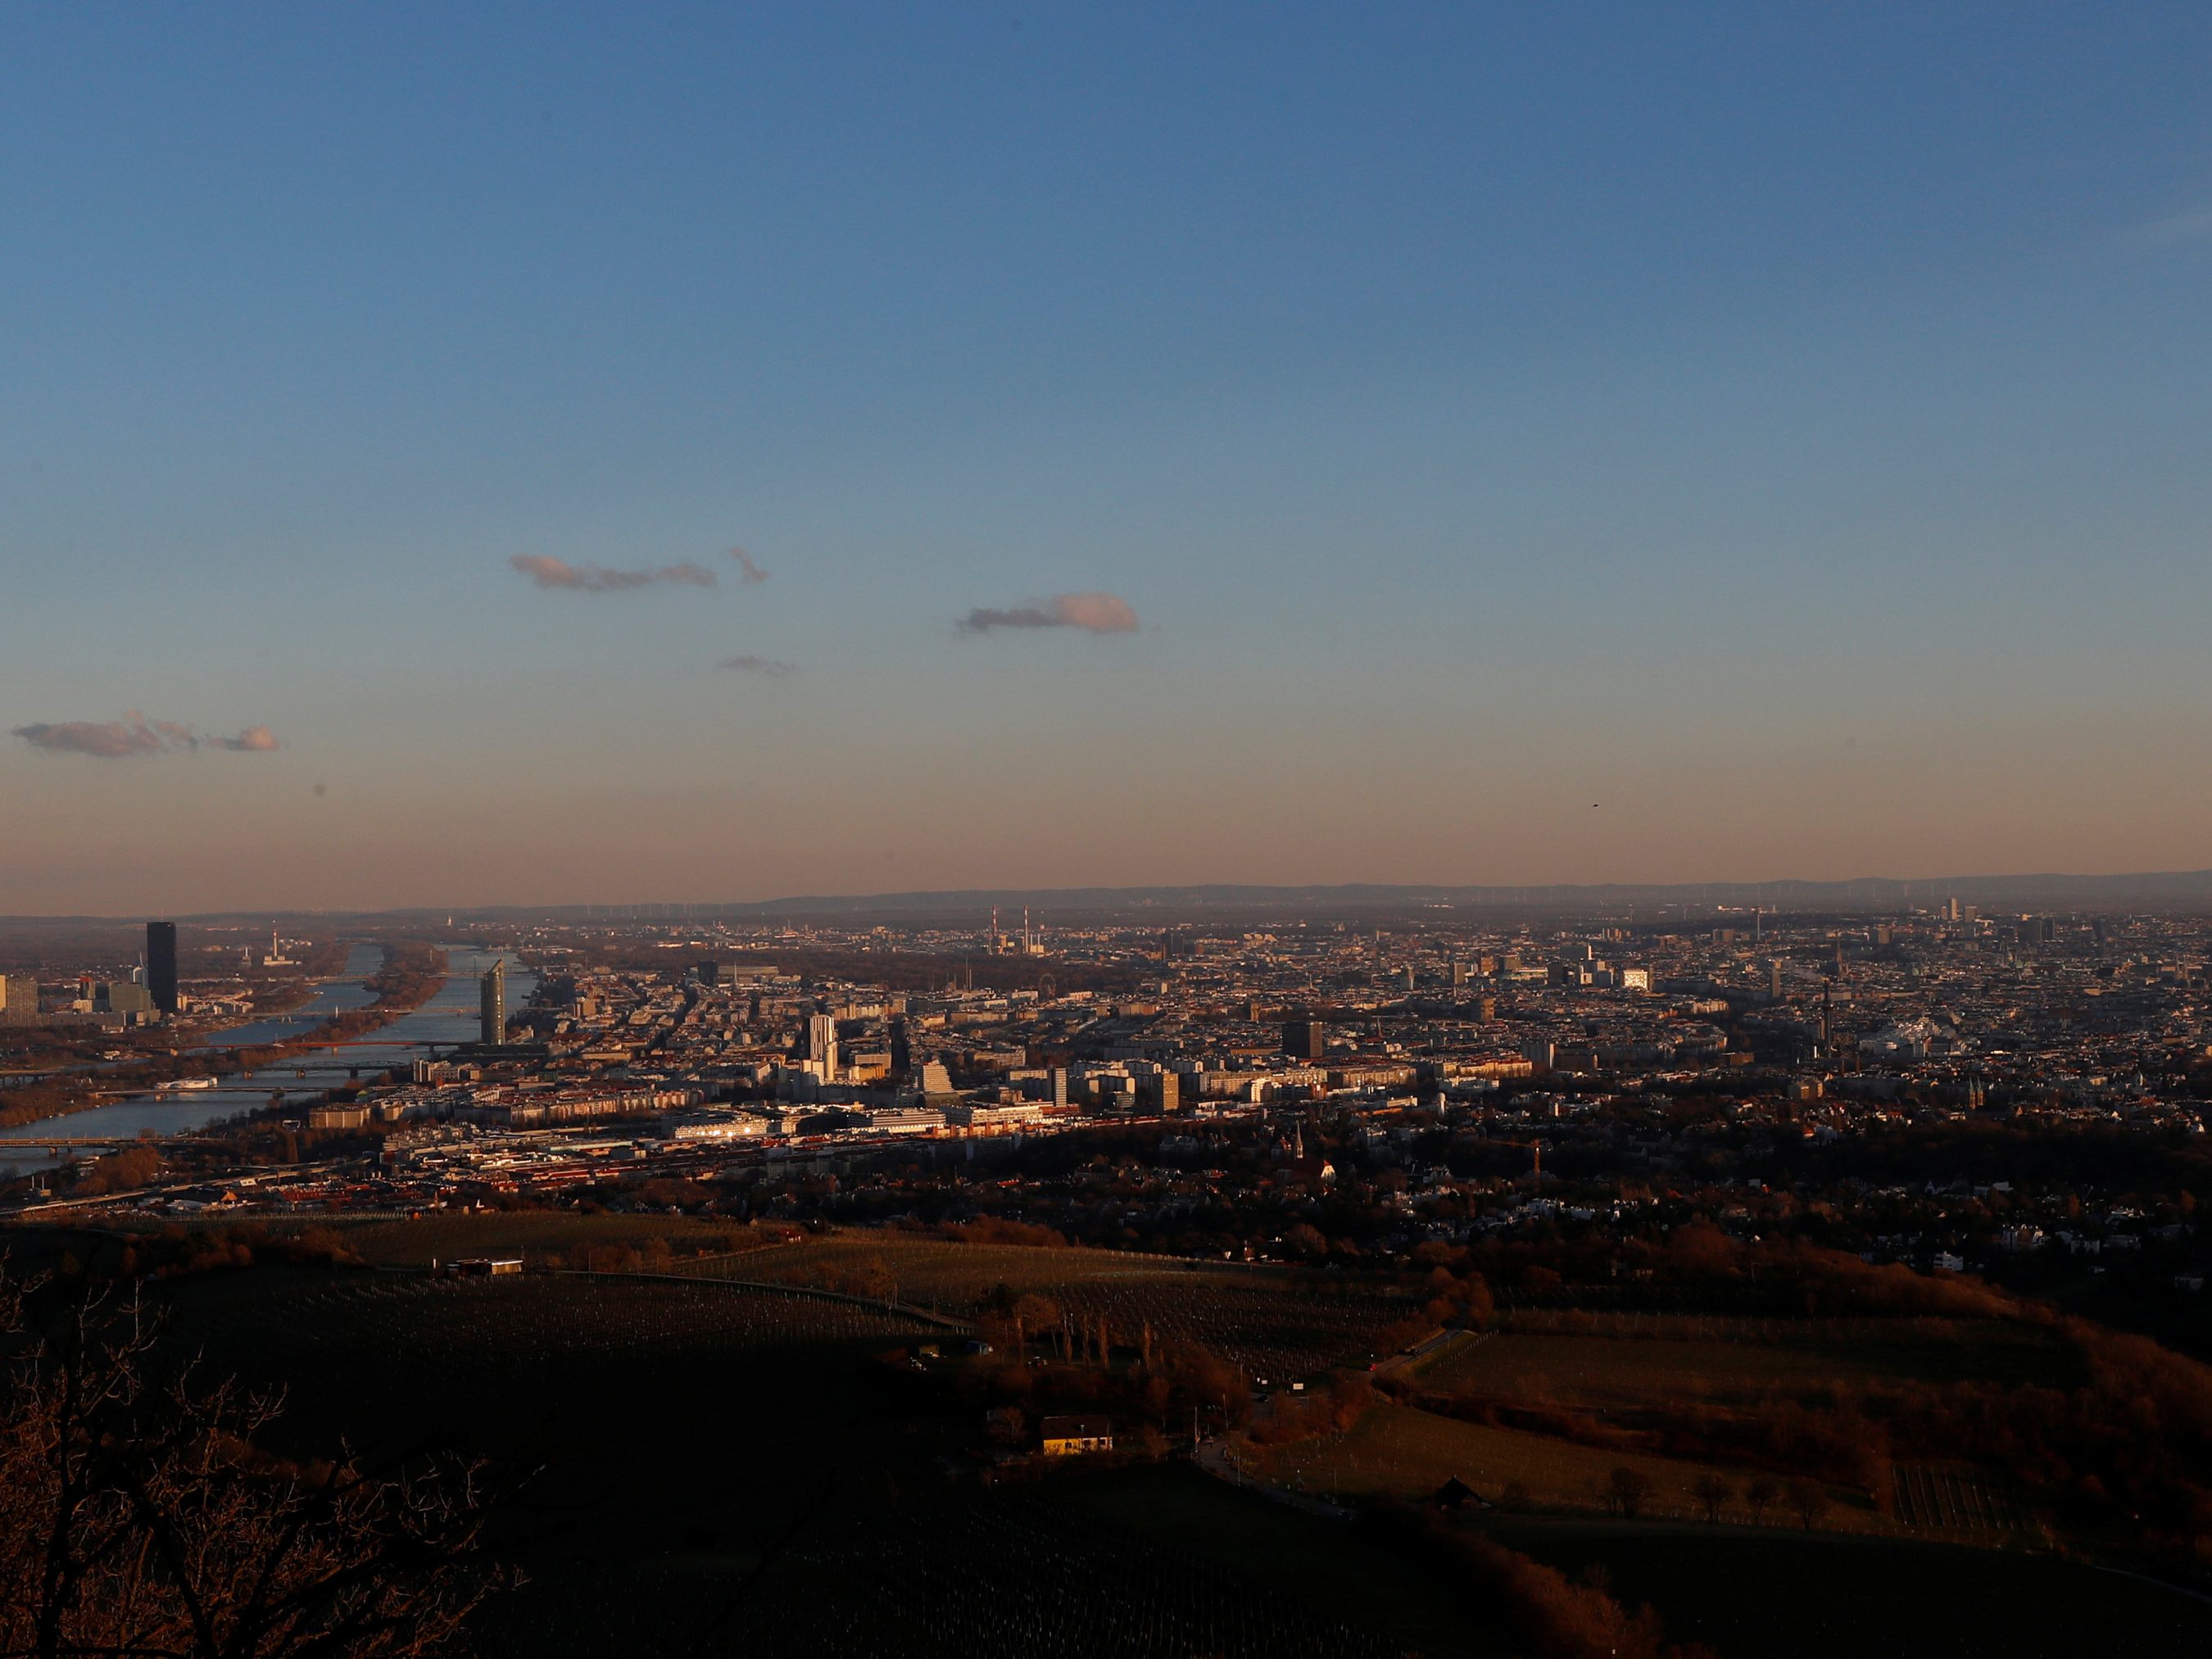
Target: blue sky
column 1784, row 427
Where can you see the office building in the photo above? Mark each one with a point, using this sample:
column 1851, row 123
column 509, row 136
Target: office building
column 18, row 1000
column 491, row 1005
column 1303, row 1039
column 822, row 1043
column 123, row 997
column 161, row 964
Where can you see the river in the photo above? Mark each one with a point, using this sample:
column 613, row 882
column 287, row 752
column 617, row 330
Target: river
column 450, row 1017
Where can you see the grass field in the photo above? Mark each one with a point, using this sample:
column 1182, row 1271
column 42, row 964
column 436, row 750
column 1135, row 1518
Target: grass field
column 943, row 1273
column 418, row 1241
column 1615, row 1373
column 1263, row 1320
column 445, row 1236
column 1395, row 1451
column 391, row 1322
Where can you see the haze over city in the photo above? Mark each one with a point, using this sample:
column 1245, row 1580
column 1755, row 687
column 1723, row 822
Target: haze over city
column 500, row 458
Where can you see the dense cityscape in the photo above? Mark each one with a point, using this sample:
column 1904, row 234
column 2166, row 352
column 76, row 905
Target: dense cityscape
column 1767, row 1068
column 1657, row 1214
column 1401, row 1083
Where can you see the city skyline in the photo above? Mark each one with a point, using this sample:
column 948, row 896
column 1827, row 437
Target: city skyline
column 508, row 461
column 1180, row 906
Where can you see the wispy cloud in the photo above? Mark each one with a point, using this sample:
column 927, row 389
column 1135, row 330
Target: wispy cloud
column 135, row 735
column 548, row 572
column 767, row 666
column 2175, row 230
column 753, row 572
column 1094, row 613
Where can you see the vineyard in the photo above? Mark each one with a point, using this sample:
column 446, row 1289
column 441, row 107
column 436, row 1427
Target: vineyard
column 1264, row 1321
column 1266, row 1331
column 1018, row 1577
column 1931, row 1497
column 1395, row 1451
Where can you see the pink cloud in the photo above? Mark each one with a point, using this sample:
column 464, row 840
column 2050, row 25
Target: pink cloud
column 1094, row 613
column 547, row 571
column 135, row 735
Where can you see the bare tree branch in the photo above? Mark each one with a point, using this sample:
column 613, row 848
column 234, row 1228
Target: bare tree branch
column 140, row 1519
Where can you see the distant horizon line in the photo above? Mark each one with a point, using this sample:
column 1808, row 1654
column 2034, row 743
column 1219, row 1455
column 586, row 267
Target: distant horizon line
column 2145, row 887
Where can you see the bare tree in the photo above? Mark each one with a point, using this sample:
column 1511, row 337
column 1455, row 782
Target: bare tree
column 1712, row 1494
column 1811, row 1502
column 1628, row 1490
column 1759, row 1495
column 140, row 1520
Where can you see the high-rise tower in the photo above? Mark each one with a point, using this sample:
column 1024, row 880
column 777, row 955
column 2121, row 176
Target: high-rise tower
column 161, row 964
column 822, row 1043
column 492, row 1005
column 18, row 1000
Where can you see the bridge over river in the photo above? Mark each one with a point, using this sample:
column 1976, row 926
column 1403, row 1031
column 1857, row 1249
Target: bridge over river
column 447, row 1020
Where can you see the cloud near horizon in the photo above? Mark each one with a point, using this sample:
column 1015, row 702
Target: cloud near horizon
column 134, row 735
column 752, row 571
column 546, row 571
column 254, row 740
column 1094, row 613
column 752, row 665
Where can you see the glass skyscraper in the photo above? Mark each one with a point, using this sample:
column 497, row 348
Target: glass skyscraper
column 161, row 964
column 491, row 1001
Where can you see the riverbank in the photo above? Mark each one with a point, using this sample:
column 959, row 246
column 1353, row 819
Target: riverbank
column 278, row 997
column 411, row 973
column 58, row 1054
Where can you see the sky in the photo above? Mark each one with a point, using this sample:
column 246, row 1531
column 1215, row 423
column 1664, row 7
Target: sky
column 544, row 453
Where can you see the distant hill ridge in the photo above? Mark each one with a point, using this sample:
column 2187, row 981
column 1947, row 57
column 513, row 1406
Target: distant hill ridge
column 2162, row 889
column 2188, row 891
